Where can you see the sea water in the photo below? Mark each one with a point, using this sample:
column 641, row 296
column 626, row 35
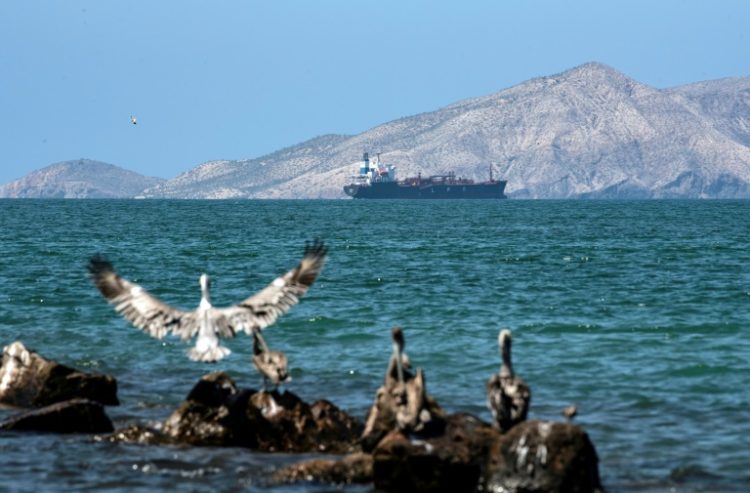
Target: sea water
column 638, row 312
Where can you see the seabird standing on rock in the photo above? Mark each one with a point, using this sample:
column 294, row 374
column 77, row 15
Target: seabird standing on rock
column 402, row 402
column 406, row 389
column 508, row 396
column 399, row 361
column 208, row 323
column 271, row 364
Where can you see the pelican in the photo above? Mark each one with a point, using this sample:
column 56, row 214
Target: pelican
column 406, row 389
column 399, row 362
column 271, row 364
column 207, row 322
column 508, row 396
column 402, row 402
column 133, row 120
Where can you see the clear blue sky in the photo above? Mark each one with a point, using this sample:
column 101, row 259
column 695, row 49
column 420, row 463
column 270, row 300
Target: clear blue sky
column 231, row 79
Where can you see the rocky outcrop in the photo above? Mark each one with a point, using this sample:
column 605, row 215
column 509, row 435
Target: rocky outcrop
column 217, row 413
column 29, row 380
column 71, row 416
column 351, row 469
column 543, row 456
column 79, row 179
column 469, row 456
column 452, row 461
column 416, row 448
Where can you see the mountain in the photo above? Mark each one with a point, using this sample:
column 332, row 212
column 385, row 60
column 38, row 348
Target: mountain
column 81, row 178
column 725, row 101
column 238, row 179
column 588, row 132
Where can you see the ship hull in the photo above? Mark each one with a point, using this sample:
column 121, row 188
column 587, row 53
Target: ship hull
column 396, row 190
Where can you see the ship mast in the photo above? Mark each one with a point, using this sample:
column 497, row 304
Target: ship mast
column 491, row 180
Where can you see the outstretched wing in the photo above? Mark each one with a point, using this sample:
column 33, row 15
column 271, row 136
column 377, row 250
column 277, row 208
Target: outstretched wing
column 262, row 309
column 138, row 306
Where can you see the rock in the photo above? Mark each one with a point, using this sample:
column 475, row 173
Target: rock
column 544, row 456
column 469, row 455
column 452, row 461
column 194, row 423
column 472, row 455
column 463, row 454
column 416, row 448
column 213, row 389
column 333, row 426
column 136, row 434
column 72, row 416
column 29, row 380
column 354, row 468
column 217, row 413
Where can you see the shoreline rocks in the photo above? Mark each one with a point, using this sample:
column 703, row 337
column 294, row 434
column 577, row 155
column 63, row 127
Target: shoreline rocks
column 544, row 456
column 29, row 380
column 354, row 468
column 71, row 416
column 63, row 399
column 415, row 447
column 217, row 413
column 470, row 456
column 409, row 444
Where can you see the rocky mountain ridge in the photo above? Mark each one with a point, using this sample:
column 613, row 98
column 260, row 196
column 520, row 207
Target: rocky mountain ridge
column 589, row 132
column 80, row 178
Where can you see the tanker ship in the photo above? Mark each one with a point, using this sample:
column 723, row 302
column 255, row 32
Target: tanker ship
column 378, row 181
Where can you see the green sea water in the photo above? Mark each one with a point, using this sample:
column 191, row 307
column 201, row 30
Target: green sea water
column 638, row 312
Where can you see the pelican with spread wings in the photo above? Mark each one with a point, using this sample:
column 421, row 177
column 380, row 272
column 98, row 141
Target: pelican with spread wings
column 207, row 322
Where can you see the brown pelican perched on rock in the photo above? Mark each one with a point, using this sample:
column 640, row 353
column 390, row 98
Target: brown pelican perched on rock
column 271, row 364
column 399, row 362
column 207, row 322
column 406, row 389
column 508, row 396
column 402, row 402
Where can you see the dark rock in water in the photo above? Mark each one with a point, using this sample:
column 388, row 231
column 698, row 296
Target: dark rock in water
column 469, row 455
column 416, row 448
column 335, row 430
column 452, row 461
column 72, row 416
column 217, row 413
column 194, row 423
column 29, row 380
column 354, row 468
column 544, row 456
column 136, row 434
column 213, row 389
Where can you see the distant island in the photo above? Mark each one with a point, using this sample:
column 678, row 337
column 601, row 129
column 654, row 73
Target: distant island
column 589, row 132
column 79, row 179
